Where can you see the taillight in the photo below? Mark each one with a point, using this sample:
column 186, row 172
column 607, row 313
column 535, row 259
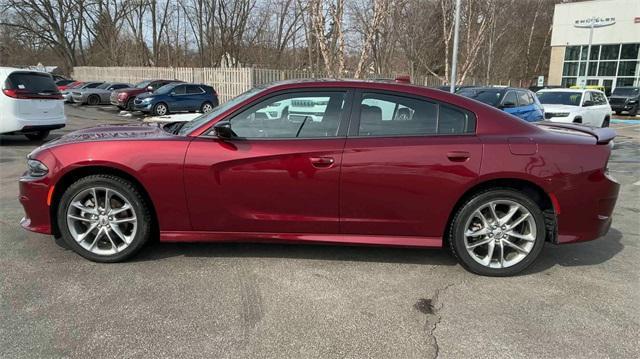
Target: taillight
column 27, row 95
column 122, row 95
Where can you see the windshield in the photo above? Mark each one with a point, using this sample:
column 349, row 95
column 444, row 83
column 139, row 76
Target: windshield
column 490, row 96
column 205, row 117
column 626, row 91
column 142, row 84
column 560, row 98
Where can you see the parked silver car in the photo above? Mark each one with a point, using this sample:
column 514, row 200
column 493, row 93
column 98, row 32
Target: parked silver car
column 66, row 94
column 99, row 95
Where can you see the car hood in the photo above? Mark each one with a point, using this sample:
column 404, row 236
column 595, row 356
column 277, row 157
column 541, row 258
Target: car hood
column 558, row 108
column 144, row 131
column 146, row 94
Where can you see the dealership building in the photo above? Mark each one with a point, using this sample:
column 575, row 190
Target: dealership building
column 614, row 59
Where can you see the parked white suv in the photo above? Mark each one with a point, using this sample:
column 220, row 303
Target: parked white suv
column 589, row 107
column 30, row 103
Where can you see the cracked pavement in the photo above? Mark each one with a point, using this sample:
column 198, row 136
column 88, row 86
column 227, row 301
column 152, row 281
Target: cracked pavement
column 306, row 301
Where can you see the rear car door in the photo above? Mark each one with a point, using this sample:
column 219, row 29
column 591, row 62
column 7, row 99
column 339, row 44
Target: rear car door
column 194, row 98
column 406, row 161
column 278, row 175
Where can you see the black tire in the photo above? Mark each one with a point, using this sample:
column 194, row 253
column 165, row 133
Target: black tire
column 93, row 100
column 457, row 229
column 129, row 106
column 157, row 109
column 618, row 112
column 132, row 194
column 577, row 120
column 634, row 112
column 37, row 136
column 204, row 105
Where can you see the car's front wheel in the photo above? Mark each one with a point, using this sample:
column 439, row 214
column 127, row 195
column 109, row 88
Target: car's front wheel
column 498, row 232
column 104, row 218
column 160, row 109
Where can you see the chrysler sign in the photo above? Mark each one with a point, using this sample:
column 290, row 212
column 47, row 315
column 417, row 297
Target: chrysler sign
column 595, row 22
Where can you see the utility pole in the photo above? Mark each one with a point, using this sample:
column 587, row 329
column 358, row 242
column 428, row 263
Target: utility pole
column 454, row 61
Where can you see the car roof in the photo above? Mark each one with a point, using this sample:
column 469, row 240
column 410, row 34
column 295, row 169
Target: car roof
column 6, row 71
column 567, row 90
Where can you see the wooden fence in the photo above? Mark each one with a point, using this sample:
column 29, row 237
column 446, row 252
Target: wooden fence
column 228, row 82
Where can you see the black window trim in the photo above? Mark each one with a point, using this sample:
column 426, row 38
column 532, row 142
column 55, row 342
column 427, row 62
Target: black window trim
column 354, row 123
column 342, row 125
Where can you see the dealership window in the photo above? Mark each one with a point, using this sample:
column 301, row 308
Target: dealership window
column 570, row 69
column 629, row 52
column 610, row 52
column 625, row 81
column 572, row 53
column 607, row 68
column 627, row 68
column 568, row 81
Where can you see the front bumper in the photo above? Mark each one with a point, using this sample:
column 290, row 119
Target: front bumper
column 78, row 99
column 624, row 107
column 144, row 107
column 33, row 197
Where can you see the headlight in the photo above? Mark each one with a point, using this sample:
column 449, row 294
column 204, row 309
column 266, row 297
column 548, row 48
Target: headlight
column 36, row 168
column 632, row 101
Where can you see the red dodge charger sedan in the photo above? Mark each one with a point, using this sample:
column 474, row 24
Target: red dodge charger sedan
column 329, row 161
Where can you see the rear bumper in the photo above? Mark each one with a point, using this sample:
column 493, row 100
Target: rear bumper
column 587, row 214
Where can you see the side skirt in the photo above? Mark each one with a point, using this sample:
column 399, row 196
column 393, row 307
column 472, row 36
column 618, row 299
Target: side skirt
column 349, row 239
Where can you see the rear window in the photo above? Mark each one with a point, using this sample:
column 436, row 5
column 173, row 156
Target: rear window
column 31, row 82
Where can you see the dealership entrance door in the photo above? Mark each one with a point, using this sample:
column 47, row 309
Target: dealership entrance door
column 607, row 82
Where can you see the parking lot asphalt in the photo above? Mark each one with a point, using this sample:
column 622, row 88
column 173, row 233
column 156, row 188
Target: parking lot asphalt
column 308, row 301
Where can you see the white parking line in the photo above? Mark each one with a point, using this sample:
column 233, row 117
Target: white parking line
column 637, row 183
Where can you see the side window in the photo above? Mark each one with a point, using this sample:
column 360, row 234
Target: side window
column 294, row 115
column 389, row 115
column 600, row 98
column 193, row 89
column 180, row 90
column 523, row 98
column 586, row 97
column 510, row 98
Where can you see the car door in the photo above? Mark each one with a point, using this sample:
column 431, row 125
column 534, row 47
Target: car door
column 194, row 98
column 509, row 103
column 406, row 161
column 178, row 98
column 525, row 106
column 604, row 109
column 277, row 175
column 589, row 108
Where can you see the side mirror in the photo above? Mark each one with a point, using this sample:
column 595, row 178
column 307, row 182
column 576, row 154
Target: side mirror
column 173, row 93
column 150, row 88
column 587, row 103
column 508, row 105
column 223, row 130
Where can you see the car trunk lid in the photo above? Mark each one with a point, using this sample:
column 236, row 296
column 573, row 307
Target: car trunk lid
column 602, row 135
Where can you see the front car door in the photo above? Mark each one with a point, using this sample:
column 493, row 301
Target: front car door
column 178, row 97
column 279, row 174
column 406, row 161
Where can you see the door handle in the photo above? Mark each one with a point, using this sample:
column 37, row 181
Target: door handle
column 458, row 156
column 322, row 162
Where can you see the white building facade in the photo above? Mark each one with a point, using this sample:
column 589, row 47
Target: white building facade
column 614, row 58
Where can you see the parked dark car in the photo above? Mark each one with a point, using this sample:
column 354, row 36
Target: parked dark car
column 177, row 97
column 516, row 101
column 124, row 98
column 382, row 164
column 446, row 88
column 625, row 99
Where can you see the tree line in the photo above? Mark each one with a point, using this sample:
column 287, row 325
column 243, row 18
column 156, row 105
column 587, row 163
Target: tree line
column 500, row 40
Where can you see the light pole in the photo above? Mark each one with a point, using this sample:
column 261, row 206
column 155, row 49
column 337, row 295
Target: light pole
column 454, row 60
column 591, row 23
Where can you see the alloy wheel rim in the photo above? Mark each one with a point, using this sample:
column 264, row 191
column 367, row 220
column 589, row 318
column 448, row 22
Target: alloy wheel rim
column 102, row 221
column 500, row 234
column 206, row 108
column 162, row 110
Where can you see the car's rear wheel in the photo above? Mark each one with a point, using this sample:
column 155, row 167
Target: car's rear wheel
column 93, row 100
column 160, row 109
column 206, row 107
column 37, row 136
column 104, row 218
column 497, row 232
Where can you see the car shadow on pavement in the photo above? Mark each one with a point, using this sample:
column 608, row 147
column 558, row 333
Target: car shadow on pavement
column 328, row 252
column 567, row 255
column 578, row 254
column 22, row 141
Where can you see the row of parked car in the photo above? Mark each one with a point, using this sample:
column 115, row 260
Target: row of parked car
column 588, row 106
column 157, row 97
